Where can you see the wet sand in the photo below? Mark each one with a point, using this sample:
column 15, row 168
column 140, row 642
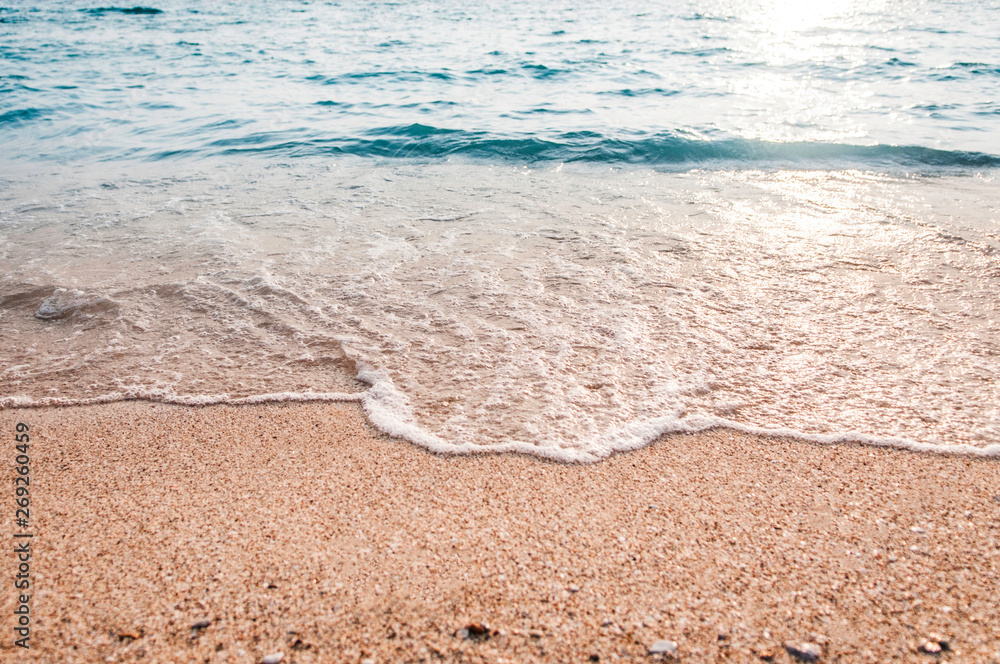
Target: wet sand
column 229, row 533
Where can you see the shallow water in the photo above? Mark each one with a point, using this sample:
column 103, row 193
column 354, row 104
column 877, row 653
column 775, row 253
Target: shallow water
column 568, row 311
column 559, row 229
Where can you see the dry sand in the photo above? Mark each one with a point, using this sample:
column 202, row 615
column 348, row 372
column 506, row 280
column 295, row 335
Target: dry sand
column 298, row 529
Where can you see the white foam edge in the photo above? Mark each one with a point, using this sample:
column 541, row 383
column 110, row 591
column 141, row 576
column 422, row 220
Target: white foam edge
column 389, row 410
column 156, row 396
column 639, row 434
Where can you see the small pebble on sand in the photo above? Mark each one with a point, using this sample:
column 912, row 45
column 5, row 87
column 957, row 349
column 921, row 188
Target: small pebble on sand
column 934, row 645
column 804, row 652
column 765, row 653
column 273, row 658
column 663, row 647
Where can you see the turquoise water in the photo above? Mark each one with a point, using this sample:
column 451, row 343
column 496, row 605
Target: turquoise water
column 882, row 83
column 553, row 228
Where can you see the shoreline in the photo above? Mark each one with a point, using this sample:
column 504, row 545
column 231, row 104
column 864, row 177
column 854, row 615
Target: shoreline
column 628, row 439
column 298, row 528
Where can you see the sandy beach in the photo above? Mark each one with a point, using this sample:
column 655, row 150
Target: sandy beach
column 228, row 534
column 501, row 332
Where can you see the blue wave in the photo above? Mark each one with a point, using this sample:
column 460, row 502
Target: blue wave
column 123, row 10
column 977, row 67
column 670, row 149
column 21, row 115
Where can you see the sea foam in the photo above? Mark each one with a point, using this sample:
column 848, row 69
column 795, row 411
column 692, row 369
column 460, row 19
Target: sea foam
column 564, row 312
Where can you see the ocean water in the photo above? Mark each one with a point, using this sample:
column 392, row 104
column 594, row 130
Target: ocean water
column 562, row 229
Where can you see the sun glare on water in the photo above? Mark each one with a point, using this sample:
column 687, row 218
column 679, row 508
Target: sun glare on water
column 784, row 101
column 785, row 16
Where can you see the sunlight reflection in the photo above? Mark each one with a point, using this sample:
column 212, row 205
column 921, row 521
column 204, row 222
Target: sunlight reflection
column 785, row 102
column 784, row 16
